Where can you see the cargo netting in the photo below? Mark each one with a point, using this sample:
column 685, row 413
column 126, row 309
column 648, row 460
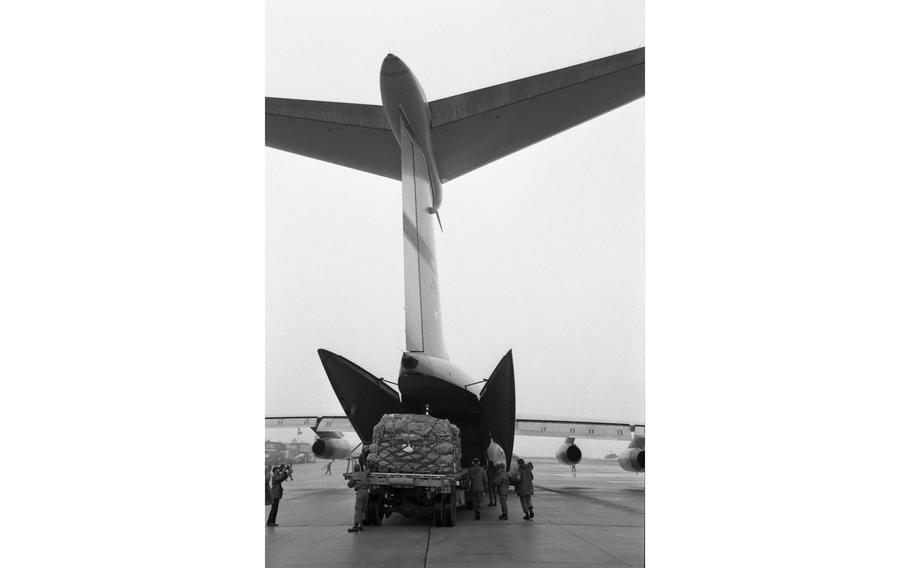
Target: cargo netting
column 415, row 443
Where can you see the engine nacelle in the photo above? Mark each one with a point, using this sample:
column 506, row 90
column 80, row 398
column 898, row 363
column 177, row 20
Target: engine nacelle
column 568, row 453
column 632, row 459
column 332, row 448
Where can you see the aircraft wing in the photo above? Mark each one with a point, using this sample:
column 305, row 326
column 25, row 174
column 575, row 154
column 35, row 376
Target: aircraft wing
column 573, row 428
column 473, row 129
column 352, row 135
column 324, row 426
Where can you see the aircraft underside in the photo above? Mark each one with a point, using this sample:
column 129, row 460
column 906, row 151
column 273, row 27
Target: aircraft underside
column 365, row 398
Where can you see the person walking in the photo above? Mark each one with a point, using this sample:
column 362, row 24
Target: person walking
column 525, row 489
column 531, row 496
column 361, row 494
column 477, row 485
column 491, row 473
column 501, row 487
column 278, row 476
column 328, row 468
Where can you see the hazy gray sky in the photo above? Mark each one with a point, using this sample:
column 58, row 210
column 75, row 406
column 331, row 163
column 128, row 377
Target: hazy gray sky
column 543, row 251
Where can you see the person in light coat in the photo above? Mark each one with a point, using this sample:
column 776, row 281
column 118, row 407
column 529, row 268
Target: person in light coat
column 525, row 488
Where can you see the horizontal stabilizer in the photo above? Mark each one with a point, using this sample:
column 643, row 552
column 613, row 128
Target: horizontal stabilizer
column 473, row 129
column 352, row 135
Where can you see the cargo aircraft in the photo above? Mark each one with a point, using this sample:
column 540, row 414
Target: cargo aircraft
column 424, row 145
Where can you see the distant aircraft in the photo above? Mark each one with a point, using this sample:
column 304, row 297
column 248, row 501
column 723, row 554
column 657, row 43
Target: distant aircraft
column 426, row 144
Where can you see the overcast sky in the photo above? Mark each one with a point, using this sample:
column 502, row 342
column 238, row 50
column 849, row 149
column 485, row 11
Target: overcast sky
column 543, row 251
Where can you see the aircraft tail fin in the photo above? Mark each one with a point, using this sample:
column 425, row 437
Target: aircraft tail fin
column 423, row 320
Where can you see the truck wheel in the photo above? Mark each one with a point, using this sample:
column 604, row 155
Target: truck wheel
column 368, row 514
column 377, row 510
column 438, row 514
column 448, row 510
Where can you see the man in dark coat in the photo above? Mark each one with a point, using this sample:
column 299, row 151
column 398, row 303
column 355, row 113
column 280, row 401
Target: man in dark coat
column 477, row 485
column 360, row 482
column 491, row 473
column 501, row 486
column 278, row 475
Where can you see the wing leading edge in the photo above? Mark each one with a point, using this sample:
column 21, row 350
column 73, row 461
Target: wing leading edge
column 589, row 429
column 319, row 424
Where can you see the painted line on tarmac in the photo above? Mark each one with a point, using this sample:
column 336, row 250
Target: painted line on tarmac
column 605, row 502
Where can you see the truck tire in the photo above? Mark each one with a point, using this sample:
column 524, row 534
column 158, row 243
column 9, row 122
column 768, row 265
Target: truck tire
column 375, row 509
column 439, row 510
column 448, row 511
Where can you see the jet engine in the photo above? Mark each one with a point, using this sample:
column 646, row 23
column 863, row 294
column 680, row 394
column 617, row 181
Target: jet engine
column 632, row 459
column 568, row 453
column 331, row 448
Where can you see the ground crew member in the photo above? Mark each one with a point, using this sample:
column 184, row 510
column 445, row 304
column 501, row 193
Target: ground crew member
column 362, row 494
column 491, row 473
column 277, row 491
column 328, row 468
column 477, row 485
column 501, row 486
column 524, row 489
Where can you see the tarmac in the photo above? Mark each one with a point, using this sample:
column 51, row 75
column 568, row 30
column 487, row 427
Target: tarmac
column 593, row 519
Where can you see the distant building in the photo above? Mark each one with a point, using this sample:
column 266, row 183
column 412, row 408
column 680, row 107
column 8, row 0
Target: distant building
column 275, row 451
column 300, row 452
column 280, row 452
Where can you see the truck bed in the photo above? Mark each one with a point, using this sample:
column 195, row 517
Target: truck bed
column 412, row 479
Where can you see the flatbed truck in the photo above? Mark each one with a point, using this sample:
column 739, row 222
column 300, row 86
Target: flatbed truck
column 409, row 493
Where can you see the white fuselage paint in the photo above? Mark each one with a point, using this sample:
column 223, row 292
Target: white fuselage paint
column 408, row 114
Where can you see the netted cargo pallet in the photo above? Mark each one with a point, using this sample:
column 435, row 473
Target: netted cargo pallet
column 415, row 443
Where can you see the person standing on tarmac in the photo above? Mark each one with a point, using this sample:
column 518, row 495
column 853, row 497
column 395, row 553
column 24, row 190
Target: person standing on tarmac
column 501, row 486
column 278, row 476
column 491, row 473
column 525, row 488
column 477, row 485
column 362, row 493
